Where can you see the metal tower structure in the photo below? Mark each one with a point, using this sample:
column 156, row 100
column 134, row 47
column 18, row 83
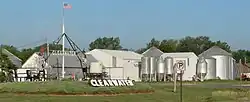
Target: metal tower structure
column 79, row 52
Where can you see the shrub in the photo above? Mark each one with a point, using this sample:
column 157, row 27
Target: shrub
column 2, row 77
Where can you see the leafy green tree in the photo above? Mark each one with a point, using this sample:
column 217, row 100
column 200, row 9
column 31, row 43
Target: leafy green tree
column 2, row 76
column 223, row 45
column 153, row 42
column 106, row 43
column 241, row 54
column 11, row 49
column 199, row 44
column 168, row 45
column 141, row 50
column 25, row 54
column 8, row 67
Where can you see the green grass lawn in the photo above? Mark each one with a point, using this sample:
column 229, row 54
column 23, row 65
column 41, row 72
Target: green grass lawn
column 163, row 93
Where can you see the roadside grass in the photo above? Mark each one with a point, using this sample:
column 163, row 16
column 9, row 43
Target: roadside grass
column 68, row 87
column 162, row 92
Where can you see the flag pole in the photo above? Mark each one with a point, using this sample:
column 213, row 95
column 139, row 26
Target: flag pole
column 63, row 46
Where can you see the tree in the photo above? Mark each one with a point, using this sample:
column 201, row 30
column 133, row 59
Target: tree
column 25, row 54
column 222, row 45
column 168, row 45
column 241, row 54
column 188, row 44
column 7, row 67
column 11, row 49
column 106, row 43
column 153, row 42
column 199, row 44
column 141, row 50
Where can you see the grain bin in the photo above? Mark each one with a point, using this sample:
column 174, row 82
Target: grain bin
column 169, row 63
column 202, row 68
column 222, row 66
column 152, row 68
column 145, row 66
column 160, row 69
column 169, row 67
column 211, row 68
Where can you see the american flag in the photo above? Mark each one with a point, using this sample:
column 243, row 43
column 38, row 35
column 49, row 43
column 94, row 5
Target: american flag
column 67, row 6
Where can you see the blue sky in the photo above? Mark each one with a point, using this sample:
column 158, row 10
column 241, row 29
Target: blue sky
column 134, row 21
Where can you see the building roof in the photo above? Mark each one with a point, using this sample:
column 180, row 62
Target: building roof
column 215, row 50
column 242, row 69
column 179, row 54
column 152, row 52
column 70, row 61
column 122, row 54
column 14, row 59
column 91, row 58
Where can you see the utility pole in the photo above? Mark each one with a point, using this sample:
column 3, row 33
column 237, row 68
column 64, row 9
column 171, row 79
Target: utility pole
column 57, row 63
column 63, row 47
column 47, row 42
column 245, row 60
column 240, row 68
column 175, row 76
column 181, row 85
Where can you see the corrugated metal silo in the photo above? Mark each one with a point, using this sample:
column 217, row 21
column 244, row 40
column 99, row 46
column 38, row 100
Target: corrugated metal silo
column 232, row 71
column 202, row 65
column 145, row 66
column 160, row 69
column 202, row 68
column 234, row 68
column 152, row 68
column 169, row 63
column 211, row 68
column 222, row 66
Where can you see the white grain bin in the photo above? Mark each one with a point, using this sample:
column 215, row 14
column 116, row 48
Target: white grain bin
column 202, row 68
column 232, row 70
column 169, row 67
column 96, row 67
column 160, row 69
column 211, row 68
column 222, row 66
column 224, row 69
column 145, row 66
column 169, row 63
column 152, row 69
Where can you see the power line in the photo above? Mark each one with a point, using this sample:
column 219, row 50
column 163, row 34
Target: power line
column 32, row 43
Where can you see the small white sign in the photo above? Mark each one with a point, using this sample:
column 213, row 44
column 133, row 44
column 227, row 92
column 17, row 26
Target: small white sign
column 59, row 52
column 181, row 65
column 106, row 82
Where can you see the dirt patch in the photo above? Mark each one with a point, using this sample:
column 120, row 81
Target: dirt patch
column 85, row 94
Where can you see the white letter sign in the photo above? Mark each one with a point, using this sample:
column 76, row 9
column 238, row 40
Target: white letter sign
column 110, row 82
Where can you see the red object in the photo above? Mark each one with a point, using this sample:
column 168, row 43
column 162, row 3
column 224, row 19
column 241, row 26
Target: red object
column 73, row 76
column 41, row 51
column 67, row 6
column 243, row 76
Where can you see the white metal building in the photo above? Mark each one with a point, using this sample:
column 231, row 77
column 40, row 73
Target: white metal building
column 34, row 63
column 224, row 63
column 118, row 64
column 189, row 59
